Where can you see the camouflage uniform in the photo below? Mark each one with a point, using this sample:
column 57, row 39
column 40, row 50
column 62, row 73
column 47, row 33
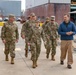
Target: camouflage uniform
column 48, row 42
column 52, row 31
column 10, row 33
column 35, row 41
column 53, row 35
column 26, row 30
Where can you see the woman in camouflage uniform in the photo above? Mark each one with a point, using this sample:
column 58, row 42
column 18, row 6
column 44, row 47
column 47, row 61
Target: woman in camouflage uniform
column 35, row 42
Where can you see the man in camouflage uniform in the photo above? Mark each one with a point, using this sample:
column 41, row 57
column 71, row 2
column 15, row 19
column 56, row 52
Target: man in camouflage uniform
column 24, row 34
column 25, row 31
column 35, row 42
column 47, row 44
column 52, row 31
column 10, row 35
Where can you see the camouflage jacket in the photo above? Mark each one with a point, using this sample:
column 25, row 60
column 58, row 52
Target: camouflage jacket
column 44, row 26
column 9, row 31
column 26, row 28
column 36, row 34
column 52, row 30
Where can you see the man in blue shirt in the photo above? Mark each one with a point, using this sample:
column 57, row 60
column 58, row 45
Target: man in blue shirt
column 66, row 30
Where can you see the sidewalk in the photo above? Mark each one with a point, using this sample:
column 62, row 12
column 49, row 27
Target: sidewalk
column 23, row 66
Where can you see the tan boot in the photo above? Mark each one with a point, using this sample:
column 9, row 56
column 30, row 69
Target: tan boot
column 6, row 58
column 34, row 64
column 52, row 58
column 12, row 60
column 47, row 56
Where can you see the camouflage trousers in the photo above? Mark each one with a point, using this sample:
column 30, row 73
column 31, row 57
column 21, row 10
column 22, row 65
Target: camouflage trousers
column 48, row 46
column 26, row 47
column 35, row 50
column 10, row 48
column 54, row 44
column 26, row 43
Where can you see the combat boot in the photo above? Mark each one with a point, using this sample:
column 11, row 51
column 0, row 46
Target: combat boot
column 52, row 58
column 6, row 58
column 47, row 56
column 26, row 53
column 12, row 60
column 34, row 64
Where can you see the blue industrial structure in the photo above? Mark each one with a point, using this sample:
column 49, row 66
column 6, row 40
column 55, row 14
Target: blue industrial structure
column 10, row 7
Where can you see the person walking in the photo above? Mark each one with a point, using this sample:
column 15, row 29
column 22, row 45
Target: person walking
column 26, row 30
column 10, row 35
column 52, row 31
column 67, row 29
column 47, row 44
column 35, row 42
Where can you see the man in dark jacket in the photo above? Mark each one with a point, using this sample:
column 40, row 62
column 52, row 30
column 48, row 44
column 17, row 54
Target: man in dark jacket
column 66, row 30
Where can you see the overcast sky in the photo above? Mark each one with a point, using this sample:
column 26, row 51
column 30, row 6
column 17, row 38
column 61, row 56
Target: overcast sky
column 23, row 5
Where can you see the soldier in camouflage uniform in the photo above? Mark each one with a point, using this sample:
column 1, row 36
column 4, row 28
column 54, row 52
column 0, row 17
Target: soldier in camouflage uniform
column 47, row 44
column 25, row 31
column 35, row 42
column 52, row 31
column 24, row 34
column 10, row 35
